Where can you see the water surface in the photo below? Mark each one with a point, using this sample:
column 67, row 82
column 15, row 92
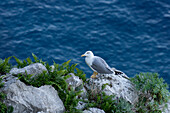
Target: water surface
column 132, row 36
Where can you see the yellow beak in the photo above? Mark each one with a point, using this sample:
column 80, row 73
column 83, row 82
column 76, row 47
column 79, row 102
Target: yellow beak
column 82, row 55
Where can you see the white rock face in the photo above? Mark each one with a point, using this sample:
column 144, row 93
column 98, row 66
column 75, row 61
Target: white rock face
column 29, row 99
column 117, row 85
column 77, row 84
column 33, row 69
column 93, row 110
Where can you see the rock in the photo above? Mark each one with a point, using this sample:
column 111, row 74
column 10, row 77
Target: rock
column 81, row 105
column 52, row 68
column 8, row 80
column 93, row 110
column 29, row 99
column 77, row 84
column 74, row 81
column 83, row 94
column 116, row 85
column 33, row 69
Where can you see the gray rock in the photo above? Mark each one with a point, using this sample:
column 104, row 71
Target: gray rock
column 40, row 112
column 77, row 84
column 83, row 94
column 52, row 68
column 81, row 105
column 74, row 81
column 118, row 85
column 29, row 99
column 93, row 110
column 33, row 69
column 8, row 80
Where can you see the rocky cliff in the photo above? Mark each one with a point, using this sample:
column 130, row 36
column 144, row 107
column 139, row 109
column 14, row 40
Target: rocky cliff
column 26, row 98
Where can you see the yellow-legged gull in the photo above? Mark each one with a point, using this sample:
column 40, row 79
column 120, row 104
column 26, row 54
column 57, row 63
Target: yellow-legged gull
column 97, row 64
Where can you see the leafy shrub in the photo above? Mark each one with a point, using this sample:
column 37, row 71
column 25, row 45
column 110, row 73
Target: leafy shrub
column 5, row 67
column 152, row 92
column 3, row 107
column 64, row 67
column 28, row 61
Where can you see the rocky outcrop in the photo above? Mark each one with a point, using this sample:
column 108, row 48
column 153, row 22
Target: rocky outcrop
column 8, row 80
column 45, row 99
column 93, row 110
column 77, row 84
column 33, row 69
column 29, row 99
column 116, row 85
column 74, row 81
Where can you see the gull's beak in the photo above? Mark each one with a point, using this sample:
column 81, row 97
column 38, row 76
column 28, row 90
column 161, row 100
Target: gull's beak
column 82, row 55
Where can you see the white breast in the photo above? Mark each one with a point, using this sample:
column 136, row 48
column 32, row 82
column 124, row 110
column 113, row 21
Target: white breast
column 89, row 61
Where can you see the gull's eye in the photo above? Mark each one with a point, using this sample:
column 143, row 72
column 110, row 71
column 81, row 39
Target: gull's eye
column 87, row 53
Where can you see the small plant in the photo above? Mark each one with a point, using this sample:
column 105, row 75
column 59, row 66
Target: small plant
column 5, row 66
column 72, row 69
column 28, row 61
column 71, row 100
column 152, row 92
column 122, row 106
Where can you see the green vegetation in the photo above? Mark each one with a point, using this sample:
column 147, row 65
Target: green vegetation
column 109, row 103
column 152, row 89
column 5, row 67
column 152, row 92
column 28, row 61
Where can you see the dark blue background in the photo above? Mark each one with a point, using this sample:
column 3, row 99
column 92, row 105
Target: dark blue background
column 132, row 36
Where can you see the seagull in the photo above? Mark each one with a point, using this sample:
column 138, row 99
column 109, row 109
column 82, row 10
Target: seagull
column 97, row 64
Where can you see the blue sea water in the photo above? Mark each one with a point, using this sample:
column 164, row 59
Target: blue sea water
column 131, row 35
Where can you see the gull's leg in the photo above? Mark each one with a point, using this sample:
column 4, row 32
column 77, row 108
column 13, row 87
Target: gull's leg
column 94, row 75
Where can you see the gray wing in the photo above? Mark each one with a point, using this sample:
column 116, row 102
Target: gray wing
column 101, row 66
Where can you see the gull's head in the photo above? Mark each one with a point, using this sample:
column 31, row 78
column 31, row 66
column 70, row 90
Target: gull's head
column 88, row 54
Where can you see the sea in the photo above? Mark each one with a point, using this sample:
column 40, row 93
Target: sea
column 130, row 35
